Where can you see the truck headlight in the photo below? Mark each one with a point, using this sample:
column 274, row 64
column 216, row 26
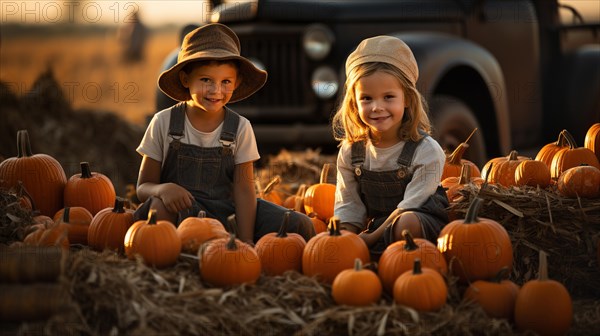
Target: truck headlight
column 325, row 82
column 317, row 41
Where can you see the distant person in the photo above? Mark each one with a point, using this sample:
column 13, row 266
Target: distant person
column 132, row 37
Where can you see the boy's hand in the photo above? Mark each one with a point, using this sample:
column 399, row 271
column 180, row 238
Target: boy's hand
column 175, row 197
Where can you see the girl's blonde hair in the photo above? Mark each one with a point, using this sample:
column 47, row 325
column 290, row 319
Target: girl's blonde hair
column 347, row 124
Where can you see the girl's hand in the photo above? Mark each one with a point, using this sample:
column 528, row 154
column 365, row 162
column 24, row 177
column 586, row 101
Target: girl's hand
column 175, row 197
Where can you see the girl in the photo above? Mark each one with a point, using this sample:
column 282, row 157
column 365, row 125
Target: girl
column 388, row 167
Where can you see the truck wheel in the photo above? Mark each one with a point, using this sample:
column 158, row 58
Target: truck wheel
column 453, row 122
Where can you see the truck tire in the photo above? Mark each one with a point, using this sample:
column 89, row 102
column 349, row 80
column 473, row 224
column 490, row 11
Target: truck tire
column 453, row 122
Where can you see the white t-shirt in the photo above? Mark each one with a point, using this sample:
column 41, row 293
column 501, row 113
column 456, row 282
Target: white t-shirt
column 428, row 157
column 156, row 140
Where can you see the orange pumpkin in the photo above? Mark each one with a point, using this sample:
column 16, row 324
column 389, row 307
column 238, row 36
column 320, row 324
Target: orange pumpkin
column 320, row 197
column 501, row 170
column 296, row 201
column 318, row 224
column 195, row 231
column 546, row 153
column 422, row 289
column 91, row 190
column 156, row 241
column 477, row 248
column 41, row 174
column 329, row 253
column 592, row 139
column 496, row 297
column 454, row 162
column 228, row 262
column 281, row 251
column 582, row 181
column 356, row 286
column 454, row 184
column 109, row 226
column 77, row 220
column 399, row 257
column 544, row 306
column 532, row 173
column 269, row 193
column 571, row 156
column 50, row 234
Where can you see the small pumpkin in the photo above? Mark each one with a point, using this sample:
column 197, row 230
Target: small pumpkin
column 454, row 184
column 318, row 224
column 356, row 286
column 41, row 174
column 582, row 181
column 454, row 162
column 571, row 156
column 476, row 247
column 50, row 234
column 547, row 152
column 91, row 190
column 281, row 251
column 496, row 297
column 543, row 305
column 77, row 220
column 156, row 241
column 228, row 262
column 592, row 139
column 399, row 257
column 195, row 231
column 109, row 226
column 421, row 288
column 501, row 170
column 296, row 201
column 320, row 197
column 269, row 193
column 329, row 253
column 532, row 173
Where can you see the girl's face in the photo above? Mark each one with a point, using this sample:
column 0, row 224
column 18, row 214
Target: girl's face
column 381, row 105
column 210, row 85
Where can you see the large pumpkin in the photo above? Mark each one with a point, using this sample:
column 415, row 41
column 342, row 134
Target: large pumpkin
column 544, row 306
column 571, row 156
column 41, row 174
column 228, row 261
column 195, row 231
column 156, row 241
column 356, row 286
column 454, row 162
column 582, row 181
column 477, row 248
column 399, row 257
column 109, row 226
column 77, row 220
column 281, row 251
column 329, row 253
column 320, row 197
column 547, row 152
column 501, row 170
column 422, row 289
column 592, row 139
column 91, row 190
column 496, row 297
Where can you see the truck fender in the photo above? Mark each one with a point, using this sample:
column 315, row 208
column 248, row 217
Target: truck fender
column 437, row 54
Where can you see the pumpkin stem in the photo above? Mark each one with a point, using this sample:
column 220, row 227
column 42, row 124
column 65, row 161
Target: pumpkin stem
column 470, row 135
column 85, row 170
column 275, row 181
column 465, row 174
column 569, row 138
column 513, row 155
column 324, row 173
column 231, row 245
column 23, row 144
column 561, row 141
column 417, row 266
column 299, row 204
column 66, row 214
column 201, row 214
column 119, row 206
column 410, row 244
column 471, row 216
column 152, row 217
column 334, row 226
column 301, row 190
column 358, row 264
column 543, row 268
column 283, row 228
column 501, row 275
column 232, row 224
column 456, row 156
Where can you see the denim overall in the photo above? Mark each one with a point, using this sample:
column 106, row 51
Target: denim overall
column 381, row 191
column 207, row 173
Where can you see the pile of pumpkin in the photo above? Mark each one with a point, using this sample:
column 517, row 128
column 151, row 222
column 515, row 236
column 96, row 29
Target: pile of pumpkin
column 85, row 210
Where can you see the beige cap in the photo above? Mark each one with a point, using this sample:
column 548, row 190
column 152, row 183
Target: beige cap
column 386, row 49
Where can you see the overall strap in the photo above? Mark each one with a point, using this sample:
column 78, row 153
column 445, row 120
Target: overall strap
column 408, row 152
column 177, row 122
column 229, row 130
column 358, row 152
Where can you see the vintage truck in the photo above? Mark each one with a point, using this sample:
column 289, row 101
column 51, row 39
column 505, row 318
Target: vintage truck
column 518, row 70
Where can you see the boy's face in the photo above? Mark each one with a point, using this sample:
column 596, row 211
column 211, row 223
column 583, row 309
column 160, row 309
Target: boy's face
column 211, row 85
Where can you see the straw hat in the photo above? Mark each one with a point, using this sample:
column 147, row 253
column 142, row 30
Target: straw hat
column 212, row 42
column 386, row 49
